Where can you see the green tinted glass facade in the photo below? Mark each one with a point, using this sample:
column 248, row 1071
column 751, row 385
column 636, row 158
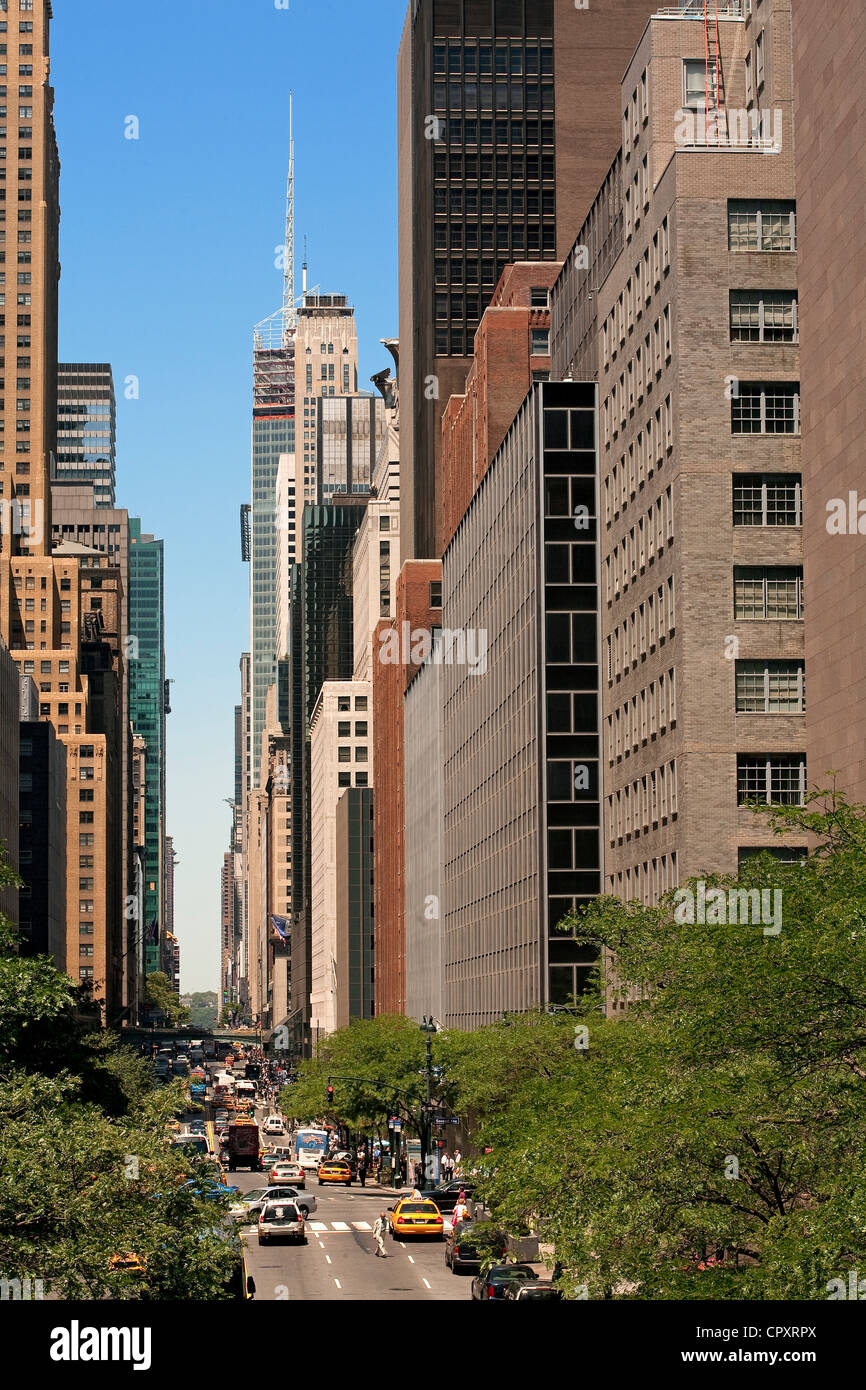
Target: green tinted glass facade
column 147, row 712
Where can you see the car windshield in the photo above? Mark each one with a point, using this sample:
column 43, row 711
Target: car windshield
column 513, row 1272
column 418, row 1209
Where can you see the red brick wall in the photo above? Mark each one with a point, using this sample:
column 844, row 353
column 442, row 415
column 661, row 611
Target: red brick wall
column 389, row 682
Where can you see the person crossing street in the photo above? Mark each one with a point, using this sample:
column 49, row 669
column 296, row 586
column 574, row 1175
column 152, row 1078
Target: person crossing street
column 379, row 1234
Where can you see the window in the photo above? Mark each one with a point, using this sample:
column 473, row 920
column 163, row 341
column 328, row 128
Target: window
column 695, row 83
column 360, row 702
column 539, row 297
column 769, row 225
column 540, row 342
column 344, row 779
column 750, row 85
column 767, row 499
column 759, row 60
column 344, row 702
column 762, row 593
column 344, row 755
column 361, row 728
column 770, row 687
column 778, row 779
column 436, row 593
column 764, row 316
column 360, row 754
column 766, row 407
column 344, row 728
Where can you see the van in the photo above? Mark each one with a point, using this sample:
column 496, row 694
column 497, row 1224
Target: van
column 281, row 1221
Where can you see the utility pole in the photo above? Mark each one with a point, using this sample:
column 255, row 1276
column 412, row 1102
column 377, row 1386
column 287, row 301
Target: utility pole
column 429, row 1027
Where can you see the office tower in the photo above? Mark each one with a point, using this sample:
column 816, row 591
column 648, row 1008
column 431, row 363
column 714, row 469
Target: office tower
column 86, row 428
column 693, row 275
column 10, row 697
column 341, row 731
column 377, row 558
column 76, row 517
column 520, row 717
column 29, row 222
column 296, row 361
column 511, row 350
column 831, row 245
column 42, row 842
column 355, row 949
column 422, row 777
column 508, row 119
column 170, row 859
column 329, row 534
column 148, row 708
column 401, row 643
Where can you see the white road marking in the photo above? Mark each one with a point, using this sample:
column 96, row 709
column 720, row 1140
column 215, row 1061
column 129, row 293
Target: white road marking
column 362, row 1225
column 411, row 1259
column 339, row 1225
column 328, row 1259
column 337, row 1282
column 424, row 1281
column 318, row 1226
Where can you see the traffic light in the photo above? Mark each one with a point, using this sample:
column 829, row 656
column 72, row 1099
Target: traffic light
column 330, row 1094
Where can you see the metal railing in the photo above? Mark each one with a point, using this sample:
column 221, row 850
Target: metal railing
column 694, row 9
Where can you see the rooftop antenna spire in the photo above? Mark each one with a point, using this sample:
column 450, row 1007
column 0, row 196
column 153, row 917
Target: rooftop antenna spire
column 304, row 281
column 290, row 316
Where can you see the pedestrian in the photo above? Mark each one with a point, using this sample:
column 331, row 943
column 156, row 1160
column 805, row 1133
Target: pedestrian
column 362, row 1171
column 379, row 1234
column 448, row 1165
column 457, row 1164
column 461, row 1211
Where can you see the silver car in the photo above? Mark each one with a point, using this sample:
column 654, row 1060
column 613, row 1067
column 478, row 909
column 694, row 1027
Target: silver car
column 281, row 1221
column 249, row 1204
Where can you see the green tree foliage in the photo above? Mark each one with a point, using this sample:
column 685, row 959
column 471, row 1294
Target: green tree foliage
column 160, row 995
column 86, row 1173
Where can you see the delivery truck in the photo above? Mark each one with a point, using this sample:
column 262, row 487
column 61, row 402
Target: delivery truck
column 243, row 1145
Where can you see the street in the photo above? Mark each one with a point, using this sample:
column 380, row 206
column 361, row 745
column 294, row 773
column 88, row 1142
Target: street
column 339, row 1259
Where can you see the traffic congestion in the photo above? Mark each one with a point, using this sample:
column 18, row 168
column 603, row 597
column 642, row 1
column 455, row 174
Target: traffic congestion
column 316, row 1211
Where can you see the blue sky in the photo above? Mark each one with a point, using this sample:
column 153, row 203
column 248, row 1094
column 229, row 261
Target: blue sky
column 167, row 248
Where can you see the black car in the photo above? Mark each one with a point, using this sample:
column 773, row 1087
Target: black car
column 494, row 1283
column 469, row 1241
column 528, row 1290
column 446, row 1196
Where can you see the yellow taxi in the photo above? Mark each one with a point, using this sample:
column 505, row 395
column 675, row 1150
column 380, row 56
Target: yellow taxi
column 335, row 1170
column 413, row 1216
column 128, row 1264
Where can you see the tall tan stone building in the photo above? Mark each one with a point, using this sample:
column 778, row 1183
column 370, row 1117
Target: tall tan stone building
column 680, row 294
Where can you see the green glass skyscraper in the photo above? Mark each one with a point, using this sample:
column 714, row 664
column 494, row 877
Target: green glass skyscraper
column 148, row 708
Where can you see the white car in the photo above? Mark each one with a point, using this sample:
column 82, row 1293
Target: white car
column 273, row 1125
column 280, row 1173
column 281, row 1221
column 247, row 1206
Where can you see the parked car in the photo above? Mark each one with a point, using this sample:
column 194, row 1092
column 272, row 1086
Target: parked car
column 281, row 1220
column 445, row 1196
column 527, row 1290
column 494, row 1283
column 333, row 1170
column 415, row 1218
column 469, row 1241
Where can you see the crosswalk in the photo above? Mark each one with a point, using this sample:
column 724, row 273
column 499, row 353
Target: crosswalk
column 341, row 1227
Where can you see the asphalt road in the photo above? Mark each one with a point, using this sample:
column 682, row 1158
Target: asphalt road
column 339, row 1259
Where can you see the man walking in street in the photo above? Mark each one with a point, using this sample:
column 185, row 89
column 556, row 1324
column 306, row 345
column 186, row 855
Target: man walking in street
column 362, row 1170
column 379, row 1234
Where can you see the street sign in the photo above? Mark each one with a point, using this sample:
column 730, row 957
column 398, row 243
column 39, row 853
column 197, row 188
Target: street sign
column 395, row 1124
column 447, row 1120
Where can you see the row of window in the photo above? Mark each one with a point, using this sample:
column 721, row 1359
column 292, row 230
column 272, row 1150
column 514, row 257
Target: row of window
column 646, row 277
column 637, row 380
column 643, row 804
column 513, row 167
column 643, row 717
column 640, row 546
column 636, row 466
column 470, row 60
column 650, row 624
column 645, row 883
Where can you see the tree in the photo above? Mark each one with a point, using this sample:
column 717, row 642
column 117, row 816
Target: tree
column 86, row 1173
column 161, row 996
column 707, row 1144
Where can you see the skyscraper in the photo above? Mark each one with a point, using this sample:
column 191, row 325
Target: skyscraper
column 508, row 118
column 147, row 707
column 86, row 428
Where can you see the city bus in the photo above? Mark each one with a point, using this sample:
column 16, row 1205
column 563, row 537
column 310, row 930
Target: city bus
column 310, row 1147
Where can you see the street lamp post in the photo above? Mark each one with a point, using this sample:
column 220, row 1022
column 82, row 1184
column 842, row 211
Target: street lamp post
column 429, row 1027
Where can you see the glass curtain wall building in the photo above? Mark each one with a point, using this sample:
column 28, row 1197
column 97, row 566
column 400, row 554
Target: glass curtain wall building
column 86, row 428
column 147, row 706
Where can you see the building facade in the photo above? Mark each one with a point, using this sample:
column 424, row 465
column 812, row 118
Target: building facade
column 355, row 942
column 507, row 122
column 86, row 428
